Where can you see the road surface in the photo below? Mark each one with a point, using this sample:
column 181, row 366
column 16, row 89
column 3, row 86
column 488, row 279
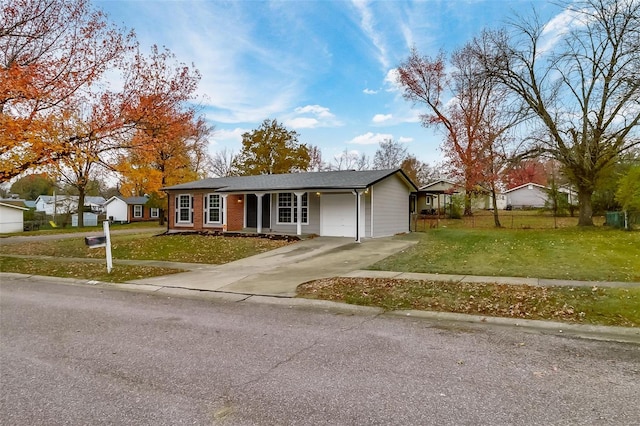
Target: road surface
column 81, row 355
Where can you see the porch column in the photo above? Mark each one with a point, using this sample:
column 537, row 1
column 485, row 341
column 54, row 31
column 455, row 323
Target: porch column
column 259, row 217
column 299, row 208
column 223, row 197
column 358, row 193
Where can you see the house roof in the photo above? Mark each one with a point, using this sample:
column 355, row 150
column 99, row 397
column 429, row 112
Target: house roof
column 87, row 199
column 128, row 200
column 19, row 202
column 430, row 185
column 344, row 179
column 12, row 206
column 524, row 185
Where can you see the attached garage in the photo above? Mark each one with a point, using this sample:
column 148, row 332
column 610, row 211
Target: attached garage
column 337, row 215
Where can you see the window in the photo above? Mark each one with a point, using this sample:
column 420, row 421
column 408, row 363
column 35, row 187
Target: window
column 213, row 208
column 288, row 208
column 155, row 212
column 137, row 210
column 184, row 210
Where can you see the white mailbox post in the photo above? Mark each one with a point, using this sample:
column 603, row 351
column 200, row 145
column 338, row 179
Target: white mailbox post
column 102, row 241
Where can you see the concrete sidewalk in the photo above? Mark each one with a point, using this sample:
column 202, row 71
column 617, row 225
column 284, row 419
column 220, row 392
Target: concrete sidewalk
column 279, row 272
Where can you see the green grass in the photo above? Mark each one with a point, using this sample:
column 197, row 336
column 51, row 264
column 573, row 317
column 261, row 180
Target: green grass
column 588, row 305
column 71, row 229
column 143, row 246
column 598, row 254
column 81, row 270
column 510, row 219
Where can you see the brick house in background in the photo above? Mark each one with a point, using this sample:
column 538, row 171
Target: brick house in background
column 130, row 209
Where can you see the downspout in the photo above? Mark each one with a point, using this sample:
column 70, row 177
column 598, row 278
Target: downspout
column 357, row 194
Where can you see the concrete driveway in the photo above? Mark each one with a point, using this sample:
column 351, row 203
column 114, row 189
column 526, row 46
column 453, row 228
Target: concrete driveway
column 278, row 272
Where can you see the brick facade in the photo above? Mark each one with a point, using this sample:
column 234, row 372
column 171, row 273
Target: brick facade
column 235, row 212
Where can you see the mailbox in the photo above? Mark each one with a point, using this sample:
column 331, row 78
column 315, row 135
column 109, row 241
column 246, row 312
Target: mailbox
column 95, row 242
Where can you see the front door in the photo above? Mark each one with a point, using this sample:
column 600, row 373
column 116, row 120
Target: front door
column 252, row 211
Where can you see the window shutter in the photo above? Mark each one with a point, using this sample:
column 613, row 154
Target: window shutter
column 205, row 204
column 176, row 210
column 192, row 204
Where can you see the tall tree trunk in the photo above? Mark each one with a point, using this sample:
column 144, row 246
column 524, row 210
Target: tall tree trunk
column 467, row 204
column 494, row 201
column 81, row 197
column 585, row 214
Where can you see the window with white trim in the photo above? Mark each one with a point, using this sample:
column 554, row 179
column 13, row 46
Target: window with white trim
column 137, row 210
column 154, row 212
column 184, row 209
column 213, row 208
column 288, row 208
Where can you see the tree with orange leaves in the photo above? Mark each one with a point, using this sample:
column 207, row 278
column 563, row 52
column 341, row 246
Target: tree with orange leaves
column 169, row 143
column 51, row 52
column 473, row 120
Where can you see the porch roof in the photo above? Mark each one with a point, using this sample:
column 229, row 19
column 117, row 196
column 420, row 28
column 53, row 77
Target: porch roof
column 345, row 179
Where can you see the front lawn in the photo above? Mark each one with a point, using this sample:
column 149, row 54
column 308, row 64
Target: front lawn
column 175, row 248
column 588, row 305
column 598, row 254
column 81, row 270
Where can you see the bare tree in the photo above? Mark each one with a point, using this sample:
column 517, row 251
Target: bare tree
column 221, row 163
column 390, row 155
column 582, row 84
column 315, row 164
column 350, row 160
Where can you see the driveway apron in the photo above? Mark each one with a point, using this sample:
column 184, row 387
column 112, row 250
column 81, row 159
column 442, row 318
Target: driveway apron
column 278, row 272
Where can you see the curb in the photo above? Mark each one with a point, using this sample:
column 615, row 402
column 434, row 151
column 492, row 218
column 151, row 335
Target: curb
column 591, row 332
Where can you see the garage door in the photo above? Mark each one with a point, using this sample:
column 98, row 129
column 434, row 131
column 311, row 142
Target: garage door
column 337, row 215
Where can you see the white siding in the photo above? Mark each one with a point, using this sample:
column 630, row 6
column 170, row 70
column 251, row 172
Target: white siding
column 313, row 227
column 11, row 220
column 390, row 207
column 527, row 196
column 118, row 210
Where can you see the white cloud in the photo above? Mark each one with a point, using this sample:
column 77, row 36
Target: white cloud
column 227, row 136
column 302, row 123
column 367, row 25
column 370, row 138
column 391, row 81
column 558, row 26
column 310, row 117
column 381, row 118
column 318, row 110
column 369, row 91
column 404, row 139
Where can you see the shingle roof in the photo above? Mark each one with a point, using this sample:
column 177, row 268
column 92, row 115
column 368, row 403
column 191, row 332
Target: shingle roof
column 344, row 179
column 136, row 200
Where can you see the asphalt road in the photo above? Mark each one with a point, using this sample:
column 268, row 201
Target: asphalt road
column 76, row 355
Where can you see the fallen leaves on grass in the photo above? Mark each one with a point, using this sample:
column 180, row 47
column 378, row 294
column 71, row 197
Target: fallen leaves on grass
column 81, row 270
column 613, row 306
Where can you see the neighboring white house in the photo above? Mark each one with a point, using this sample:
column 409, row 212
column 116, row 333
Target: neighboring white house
column 130, row 209
column 11, row 218
column 64, row 204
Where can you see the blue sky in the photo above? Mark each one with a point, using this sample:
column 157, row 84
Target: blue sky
column 322, row 68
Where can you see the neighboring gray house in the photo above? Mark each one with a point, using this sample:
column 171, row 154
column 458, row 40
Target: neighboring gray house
column 436, row 196
column 357, row 204
column 529, row 195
